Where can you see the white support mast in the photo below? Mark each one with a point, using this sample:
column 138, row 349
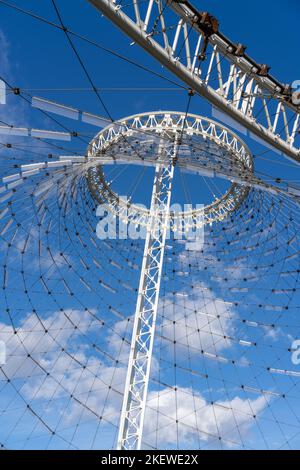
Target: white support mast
column 136, row 386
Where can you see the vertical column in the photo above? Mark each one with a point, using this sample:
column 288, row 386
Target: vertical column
column 135, row 395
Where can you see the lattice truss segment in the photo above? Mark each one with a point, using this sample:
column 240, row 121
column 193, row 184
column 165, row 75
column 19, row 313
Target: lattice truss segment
column 189, row 44
column 205, row 148
column 136, row 386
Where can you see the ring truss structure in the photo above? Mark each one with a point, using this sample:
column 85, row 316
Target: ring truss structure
column 205, row 147
column 190, row 45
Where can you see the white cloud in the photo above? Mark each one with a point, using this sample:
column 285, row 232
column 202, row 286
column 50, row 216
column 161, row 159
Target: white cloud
column 200, row 323
column 99, row 386
column 13, row 111
column 31, row 338
column 198, row 419
column 83, row 375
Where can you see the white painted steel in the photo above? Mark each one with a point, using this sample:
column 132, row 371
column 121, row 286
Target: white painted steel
column 230, row 80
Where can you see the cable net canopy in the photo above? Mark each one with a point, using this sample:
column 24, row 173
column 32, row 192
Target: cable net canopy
column 225, row 370
column 222, row 373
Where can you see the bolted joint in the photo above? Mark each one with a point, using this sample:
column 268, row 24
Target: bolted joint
column 240, row 50
column 208, row 23
column 263, row 70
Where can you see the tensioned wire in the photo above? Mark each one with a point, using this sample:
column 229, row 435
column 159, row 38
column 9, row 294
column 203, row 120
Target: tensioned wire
column 264, row 200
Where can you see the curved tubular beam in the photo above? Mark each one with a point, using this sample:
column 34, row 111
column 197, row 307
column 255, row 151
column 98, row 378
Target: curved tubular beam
column 189, row 44
column 235, row 161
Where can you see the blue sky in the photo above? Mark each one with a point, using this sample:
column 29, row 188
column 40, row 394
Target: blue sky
column 39, row 59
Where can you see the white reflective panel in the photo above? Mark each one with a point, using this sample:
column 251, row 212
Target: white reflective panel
column 73, row 158
column 2, row 92
column 251, row 323
column 293, row 256
column 58, row 163
column 122, row 161
column 115, row 312
column 9, row 178
column 55, row 108
column 6, row 227
column 245, row 343
column 14, row 184
column 184, row 150
column 127, row 286
column 268, row 189
column 276, row 308
column 284, row 372
column 18, row 131
column 98, row 121
column 104, row 161
column 222, row 176
column 235, row 179
column 3, row 212
column 198, row 171
column 215, row 357
column 30, row 173
column 238, row 289
column 41, row 134
column 148, row 142
column 293, row 190
column 6, row 196
column 262, row 142
column 32, row 166
column 114, row 263
column 43, row 188
column 217, row 114
column 107, row 287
